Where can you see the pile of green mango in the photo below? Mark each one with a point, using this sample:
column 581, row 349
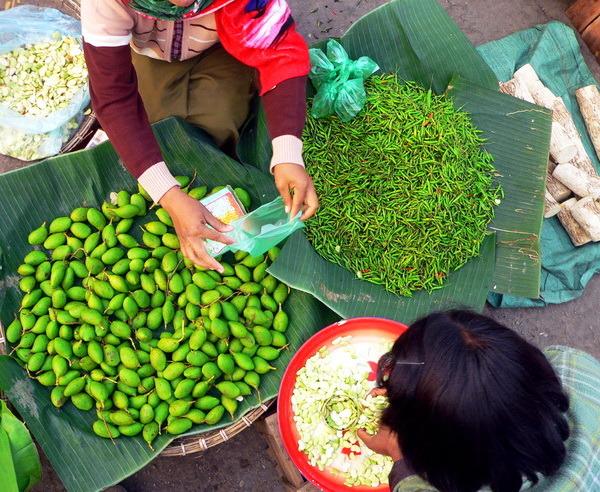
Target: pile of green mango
column 115, row 319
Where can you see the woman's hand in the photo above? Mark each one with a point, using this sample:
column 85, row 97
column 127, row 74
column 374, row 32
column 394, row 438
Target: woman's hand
column 191, row 220
column 385, row 442
column 293, row 178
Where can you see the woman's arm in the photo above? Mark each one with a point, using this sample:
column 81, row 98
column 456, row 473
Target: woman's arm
column 114, row 92
column 120, row 111
column 261, row 34
column 107, row 27
column 385, row 442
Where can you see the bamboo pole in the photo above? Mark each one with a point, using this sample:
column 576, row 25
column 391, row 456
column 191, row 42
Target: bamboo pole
column 552, row 207
column 589, row 104
column 578, row 235
column 558, row 190
column 587, row 213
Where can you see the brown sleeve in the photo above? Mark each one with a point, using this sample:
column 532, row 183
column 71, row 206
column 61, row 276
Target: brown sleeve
column 285, row 108
column 119, row 107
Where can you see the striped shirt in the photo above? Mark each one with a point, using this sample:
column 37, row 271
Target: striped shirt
column 580, row 376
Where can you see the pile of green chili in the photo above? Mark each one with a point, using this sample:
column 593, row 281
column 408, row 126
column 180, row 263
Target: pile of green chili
column 406, row 189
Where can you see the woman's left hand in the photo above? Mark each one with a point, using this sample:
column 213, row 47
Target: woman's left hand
column 297, row 190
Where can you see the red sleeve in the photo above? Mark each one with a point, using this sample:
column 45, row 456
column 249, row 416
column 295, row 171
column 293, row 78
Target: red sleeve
column 119, row 107
column 266, row 40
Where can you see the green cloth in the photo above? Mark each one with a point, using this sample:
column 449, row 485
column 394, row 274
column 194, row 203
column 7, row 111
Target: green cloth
column 553, row 51
column 580, row 376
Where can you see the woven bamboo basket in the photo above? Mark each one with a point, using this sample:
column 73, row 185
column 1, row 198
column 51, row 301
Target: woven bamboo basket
column 197, row 444
column 89, row 123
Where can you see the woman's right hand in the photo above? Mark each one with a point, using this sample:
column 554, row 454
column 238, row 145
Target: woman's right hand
column 385, row 442
column 191, row 220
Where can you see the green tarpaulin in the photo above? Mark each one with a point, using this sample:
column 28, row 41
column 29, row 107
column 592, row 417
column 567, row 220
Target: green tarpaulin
column 553, row 51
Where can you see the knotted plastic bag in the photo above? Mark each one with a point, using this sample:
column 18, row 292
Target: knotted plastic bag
column 339, row 81
column 260, row 230
column 35, row 137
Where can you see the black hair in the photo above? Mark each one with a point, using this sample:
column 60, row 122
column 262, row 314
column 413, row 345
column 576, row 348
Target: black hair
column 473, row 404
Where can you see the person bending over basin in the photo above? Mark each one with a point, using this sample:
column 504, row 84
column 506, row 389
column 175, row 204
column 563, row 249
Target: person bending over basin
column 473, row 405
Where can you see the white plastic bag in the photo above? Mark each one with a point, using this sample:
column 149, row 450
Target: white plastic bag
column 36, row 137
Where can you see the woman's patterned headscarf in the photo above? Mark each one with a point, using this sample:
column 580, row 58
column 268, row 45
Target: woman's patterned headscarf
column 165, row 10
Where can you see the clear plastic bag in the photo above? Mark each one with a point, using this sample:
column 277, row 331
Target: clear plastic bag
column 339, row 81
column 36, row 137
column 263, row 228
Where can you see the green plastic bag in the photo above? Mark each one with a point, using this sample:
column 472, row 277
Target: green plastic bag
column 339, row 81
column 263, row 228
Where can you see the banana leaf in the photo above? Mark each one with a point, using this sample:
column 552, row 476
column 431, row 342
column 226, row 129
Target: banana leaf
column 351, row 297
column 19, row 460
column 30, row 196
column 9, row 476
column 420, row 42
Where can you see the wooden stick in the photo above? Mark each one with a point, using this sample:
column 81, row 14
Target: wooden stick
column 587, row 213
column 589, row 104
column 552, row 207
column 577, row 180
column 558, row 190
column 577, row 233
column 583, row 13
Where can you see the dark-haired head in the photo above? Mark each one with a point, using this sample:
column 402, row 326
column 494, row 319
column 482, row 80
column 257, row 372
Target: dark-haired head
column 473, row 404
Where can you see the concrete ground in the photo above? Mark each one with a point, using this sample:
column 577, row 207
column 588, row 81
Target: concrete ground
column 243, row 463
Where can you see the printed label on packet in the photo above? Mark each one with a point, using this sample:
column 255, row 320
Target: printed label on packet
column 226, row 207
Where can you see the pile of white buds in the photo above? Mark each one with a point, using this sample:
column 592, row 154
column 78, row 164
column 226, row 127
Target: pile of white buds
column 331, row 401
column 39, row 79
column 33, row 146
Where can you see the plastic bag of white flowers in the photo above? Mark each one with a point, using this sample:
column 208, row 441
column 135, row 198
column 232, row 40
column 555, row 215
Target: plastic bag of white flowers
column 43, row 81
